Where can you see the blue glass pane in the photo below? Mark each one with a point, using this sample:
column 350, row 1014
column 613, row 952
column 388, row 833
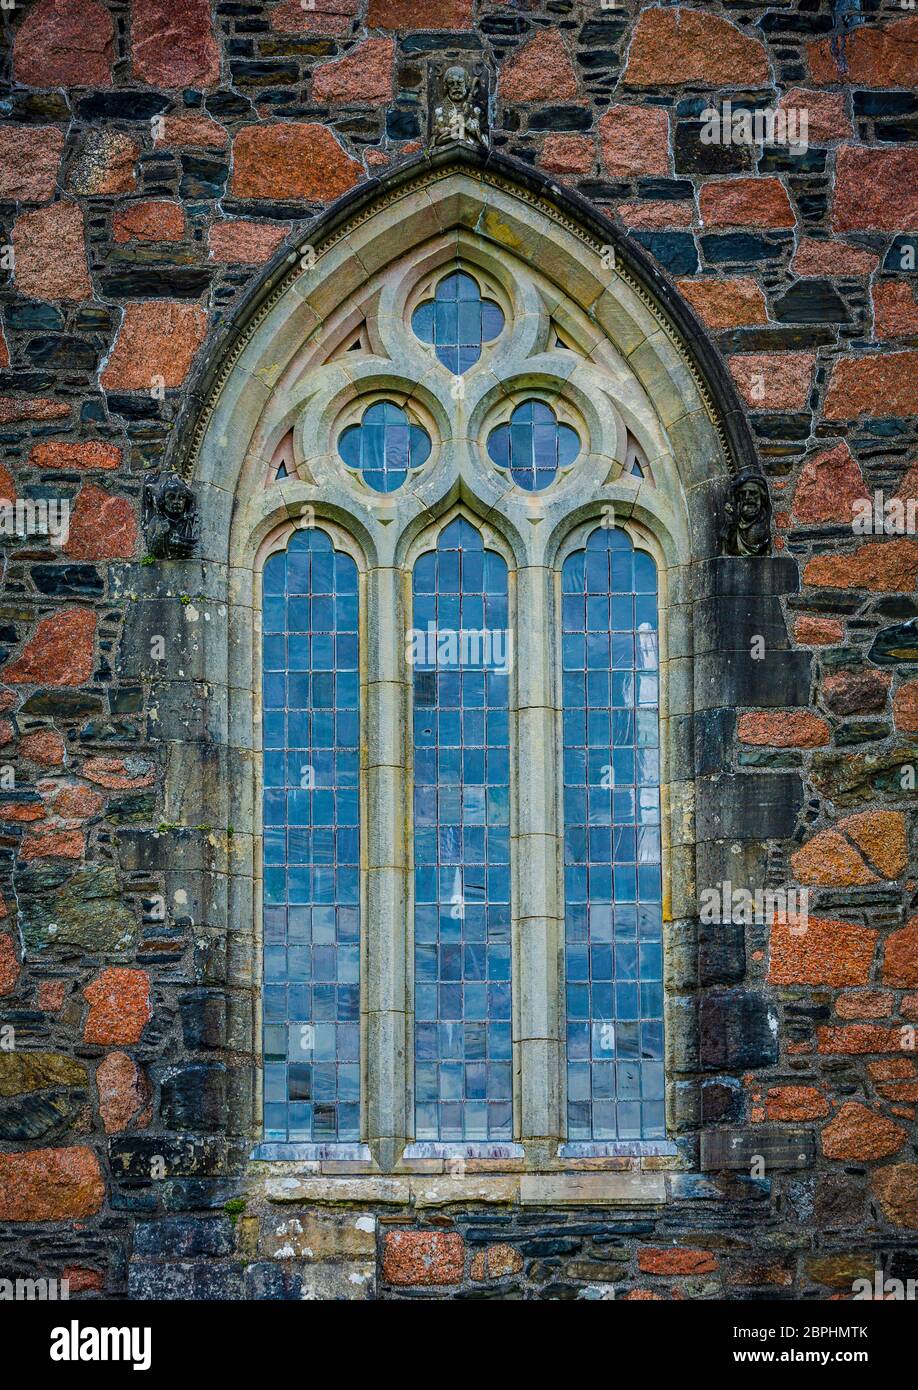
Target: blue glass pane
column 384, row 446
column 311, row 844
column 612, row 855
column 533, row 446
column 457, row 321
column 461, row 660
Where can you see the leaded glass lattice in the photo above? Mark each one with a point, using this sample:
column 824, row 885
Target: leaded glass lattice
column 457, row 321
column 461, row 657
column 384, row 446
column 533, row 446
column 612, row 852
column 311, row 843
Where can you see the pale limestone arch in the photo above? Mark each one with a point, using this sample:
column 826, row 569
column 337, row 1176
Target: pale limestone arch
column 625, row 370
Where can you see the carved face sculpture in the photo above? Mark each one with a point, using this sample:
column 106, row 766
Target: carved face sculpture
column 176, row 500
column 751, row 499
column 456, row 82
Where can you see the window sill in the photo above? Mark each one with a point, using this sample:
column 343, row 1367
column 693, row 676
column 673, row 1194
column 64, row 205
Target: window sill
column 498, row 1189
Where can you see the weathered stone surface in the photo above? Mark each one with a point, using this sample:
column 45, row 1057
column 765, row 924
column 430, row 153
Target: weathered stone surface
column 30, row 160
column 119, row 1006
column 92, row 454
column 102, row 526
column 294, row 159
column 194, row 131
column 746, row 203
column 9, row 964
column 795, row 1103
column 363, row 76
column 245, row 242
column 895, row 1187
column 864, row 1003
column 905, row 707
column 539, row 71
column 859, row 1133
column 44, row 746
column 157, row 340
column 676, row 1261
column 815, row 257
column 51, row 995
column 50, row 843
column 880, row 835
column 418, row 14
column 858, row 1038
column 325, row 17
column 900, row 957
column 568, row 154
column 320, row 1235
column 734, row 302
column 673, row 46
column 50, row 1185
column 82, row 908
column 15, row 408
column 423, row 1258
column 652, row 214
column 827, row 118
column 21, row 1072
column 106, row 164
column 794, row 729
column 496, row 1262
column 71, row 801
column 820, row 952
column 635, row 140
column 157, row 220
column 830, row 484
column 120, row 774
column 174, row 45
column 875, row 189
column 773, row 380
column 885, row 567
column 856, row 692
column 810, row 631
column 51, row 253
column 895, row 309
column 60, row 652
column 124, row 1093
column 63, row 43
column 828, row 859
column 876, row 55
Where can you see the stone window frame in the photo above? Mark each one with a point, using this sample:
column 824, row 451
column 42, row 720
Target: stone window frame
column 253, row 394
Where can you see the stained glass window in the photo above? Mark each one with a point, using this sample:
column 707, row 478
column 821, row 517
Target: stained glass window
column 612, row 854
column 461, row 656
column 533, row 446
column 384, row 446
column 311, row 843
column 457, row 321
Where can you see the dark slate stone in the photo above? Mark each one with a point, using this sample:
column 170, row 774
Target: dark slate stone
column 194, row 1097
column 781, row 1149
column 714, row 730
column 562, row 118
column 774, row 339
column 121, row 106
column 769, row 574
column 902, row 254
column 63, row 704
column 721, row 953
column 895, row 645
column 599, row 31
column 811, row 301
column 884, row 103
column 61, row 351
column 737, row 1030
column 722, row 1100
column 694, row 157
column 737, row 678
column 40, row 1115
column 788, row 427
column 402, row 124
column 203, row 1013
column 762, row 806
column 720, row 248
column 68, row 581
column 158, row 1282
column 675, row 251
column 667, row 190
column 264, row 74
column 132, row 1156
column 151, row 282
column 203, row 177
column 267, row 1279
column 31, row 318
column 181, row 1237
column 731, row 622
column 433, row 43
column 779, row 159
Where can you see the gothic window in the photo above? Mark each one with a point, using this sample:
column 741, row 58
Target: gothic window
column 311, row 1003
column 463, row 853
column 462, row 928
column 612, row 852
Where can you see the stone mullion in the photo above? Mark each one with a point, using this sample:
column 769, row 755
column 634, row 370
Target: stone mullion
column 386, row 902
column 538, row 916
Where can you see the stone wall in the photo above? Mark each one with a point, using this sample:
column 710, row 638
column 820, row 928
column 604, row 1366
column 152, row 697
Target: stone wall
column 154, row 155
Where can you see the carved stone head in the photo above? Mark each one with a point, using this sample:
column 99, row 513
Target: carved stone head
column 170, row 517
column 747, row 516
